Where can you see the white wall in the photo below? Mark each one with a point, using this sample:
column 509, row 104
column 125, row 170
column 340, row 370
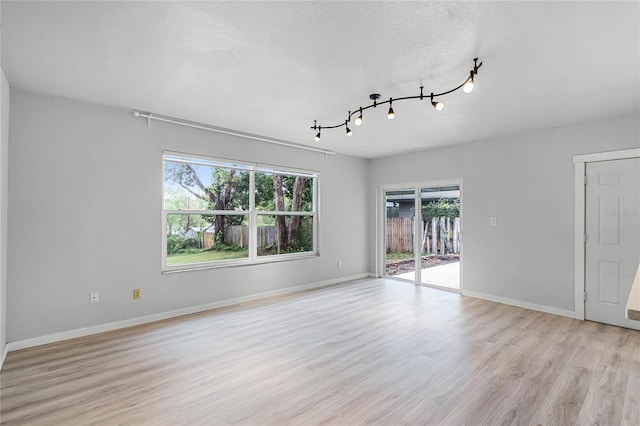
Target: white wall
column 85, row 197
column 85, row 214
column 527, row 182
column 4, row 163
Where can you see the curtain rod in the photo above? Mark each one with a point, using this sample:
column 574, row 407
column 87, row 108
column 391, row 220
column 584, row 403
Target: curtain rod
column 210, row 128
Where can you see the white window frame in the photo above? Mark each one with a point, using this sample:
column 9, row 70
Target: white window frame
column 252, row 213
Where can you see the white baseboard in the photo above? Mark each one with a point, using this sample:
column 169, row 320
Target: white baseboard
column 4, row 355
column 86, row 331
column 520, row 304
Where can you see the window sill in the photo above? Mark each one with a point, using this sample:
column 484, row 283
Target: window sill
column 234, row 264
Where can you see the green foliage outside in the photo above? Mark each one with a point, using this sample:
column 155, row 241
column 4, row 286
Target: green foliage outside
column 228, row 190
column 205, row 187
column 180, row 245
column 198, row 187
column 205, row 256
column 444, row 207
column 176, row 244
column 300, row 240
column 395, row 256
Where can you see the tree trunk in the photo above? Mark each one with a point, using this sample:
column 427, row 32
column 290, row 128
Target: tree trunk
column 223, row 198
column 220, row 196
column 228, row 197
column 294, row 225
column 281, row 223
column 219, row 205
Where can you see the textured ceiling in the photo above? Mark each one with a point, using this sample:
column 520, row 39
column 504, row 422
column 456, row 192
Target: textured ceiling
column 271, row 68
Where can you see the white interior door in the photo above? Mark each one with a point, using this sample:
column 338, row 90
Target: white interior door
column 612, row 210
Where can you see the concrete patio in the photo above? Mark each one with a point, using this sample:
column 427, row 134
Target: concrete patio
column 442, row 276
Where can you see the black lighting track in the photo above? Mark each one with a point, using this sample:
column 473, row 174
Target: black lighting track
column 466, row 85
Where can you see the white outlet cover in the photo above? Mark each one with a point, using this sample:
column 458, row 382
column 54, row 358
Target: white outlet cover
column 94, row 297
column 493, row 221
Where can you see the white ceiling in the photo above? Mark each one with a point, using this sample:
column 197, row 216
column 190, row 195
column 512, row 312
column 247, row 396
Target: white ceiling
column 271, row 68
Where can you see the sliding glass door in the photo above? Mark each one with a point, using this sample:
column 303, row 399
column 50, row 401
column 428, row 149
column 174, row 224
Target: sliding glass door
column 440, row 237
column 399, row 234
column 421, row 238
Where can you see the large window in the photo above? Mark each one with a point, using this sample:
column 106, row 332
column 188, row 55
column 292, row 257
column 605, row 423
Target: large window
column 219, row 212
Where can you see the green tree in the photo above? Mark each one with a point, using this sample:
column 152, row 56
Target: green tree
column 444, row 207
column 228, row 190
column 291, row 193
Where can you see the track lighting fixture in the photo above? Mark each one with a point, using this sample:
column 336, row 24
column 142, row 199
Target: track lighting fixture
column 439, row 106
column 358, row 120
column 467, row 87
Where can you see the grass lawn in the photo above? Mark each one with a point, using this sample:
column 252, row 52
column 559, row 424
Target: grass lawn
column 392, row 257
column 205, row 256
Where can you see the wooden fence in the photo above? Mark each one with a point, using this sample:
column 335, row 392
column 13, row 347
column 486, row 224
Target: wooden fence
column 439, row 235
column 239, row 235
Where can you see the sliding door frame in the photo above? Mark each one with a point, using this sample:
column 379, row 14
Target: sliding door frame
column 381, row 223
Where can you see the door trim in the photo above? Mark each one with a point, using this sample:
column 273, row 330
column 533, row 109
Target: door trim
column 380, row 210
column 580, row 167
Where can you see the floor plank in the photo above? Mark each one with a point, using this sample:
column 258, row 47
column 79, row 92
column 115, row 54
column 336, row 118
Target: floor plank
column 372, row 351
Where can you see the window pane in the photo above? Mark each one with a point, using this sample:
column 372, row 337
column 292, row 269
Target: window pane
column 279, row 192
column 194, row 238
column 197, row 186
column 284, row 234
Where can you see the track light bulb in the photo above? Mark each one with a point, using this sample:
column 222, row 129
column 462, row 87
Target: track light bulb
column 438, row 106
column 391, row 115
column 317, row 138
column 347, row 129
column 468, row 86
column 358, row 121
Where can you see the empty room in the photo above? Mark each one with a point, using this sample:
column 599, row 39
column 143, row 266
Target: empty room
column 368, row 212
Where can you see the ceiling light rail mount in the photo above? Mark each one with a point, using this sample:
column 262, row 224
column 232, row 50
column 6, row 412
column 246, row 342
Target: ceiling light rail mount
column 466, row 86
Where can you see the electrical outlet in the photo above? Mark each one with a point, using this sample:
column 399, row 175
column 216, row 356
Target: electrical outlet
column 136, row 293
column 339, row 265
column 94, row 297
column 493, row 221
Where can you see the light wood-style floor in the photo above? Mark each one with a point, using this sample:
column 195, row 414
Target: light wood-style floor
column 372, row 351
